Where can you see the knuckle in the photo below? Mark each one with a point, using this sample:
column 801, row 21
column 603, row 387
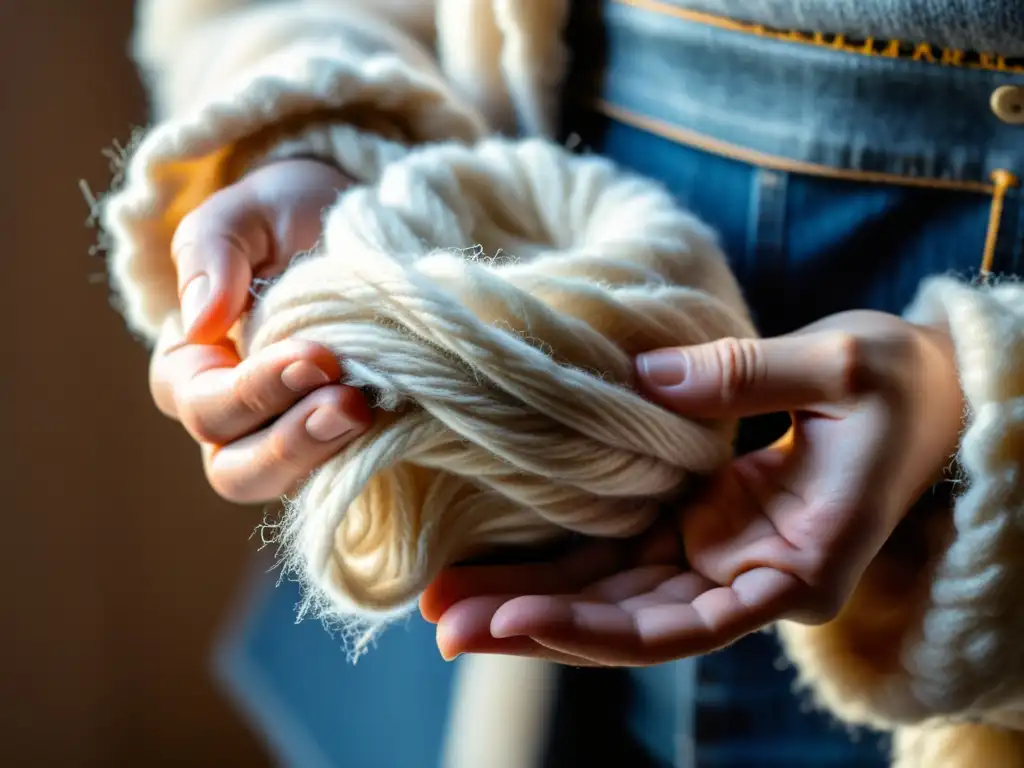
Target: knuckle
column 237, row 484
column 230, row 486
column 877, row 363
column 160, row 393
column 254, row 392
column 231, row 239
column 854, row 372
column 192, row 417
column 741, row 364
column 287, row 451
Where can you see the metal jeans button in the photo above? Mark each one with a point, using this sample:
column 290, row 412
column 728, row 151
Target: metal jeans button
column 1008, row 104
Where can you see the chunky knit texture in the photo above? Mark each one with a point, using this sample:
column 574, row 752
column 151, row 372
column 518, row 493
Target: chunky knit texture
column 941, row 643
column 492, row 299
column 358, row 84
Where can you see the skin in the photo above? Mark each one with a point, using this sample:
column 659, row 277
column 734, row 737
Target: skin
column 264, row 423
column 782, row 533
column 785, row 532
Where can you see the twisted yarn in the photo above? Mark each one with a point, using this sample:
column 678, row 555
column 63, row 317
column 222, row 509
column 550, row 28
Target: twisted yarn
column 492, row 300
column 967, row 656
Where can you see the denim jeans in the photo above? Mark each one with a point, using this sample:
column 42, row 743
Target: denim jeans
column 835, row 180
column 981, row 25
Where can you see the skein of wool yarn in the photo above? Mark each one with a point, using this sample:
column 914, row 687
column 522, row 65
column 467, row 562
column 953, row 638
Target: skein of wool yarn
column 491, row 300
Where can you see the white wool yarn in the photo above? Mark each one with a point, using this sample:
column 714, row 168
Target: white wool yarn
column 491, row 299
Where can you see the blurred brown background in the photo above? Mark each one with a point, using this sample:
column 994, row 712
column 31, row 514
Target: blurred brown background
column 116, row 582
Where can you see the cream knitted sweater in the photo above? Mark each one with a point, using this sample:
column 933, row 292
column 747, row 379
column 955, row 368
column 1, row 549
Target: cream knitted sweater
column 932, row 651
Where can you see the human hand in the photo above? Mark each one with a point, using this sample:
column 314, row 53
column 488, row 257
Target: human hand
column 265, row 422
column 781, row 533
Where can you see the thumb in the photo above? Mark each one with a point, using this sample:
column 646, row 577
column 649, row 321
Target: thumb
column 216, row 248
column 735, row 378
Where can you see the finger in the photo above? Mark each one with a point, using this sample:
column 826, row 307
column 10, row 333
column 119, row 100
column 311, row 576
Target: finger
column 174, row 364
column 216, row 249
column 527, row 648
column 272, row 462
column 627, row 584
column 253, row 228
column 734, row 378
column 571, row 573
column 683, row 589
column 224, row 404
column 456, row 585
column 465, row 628
column 609, row 635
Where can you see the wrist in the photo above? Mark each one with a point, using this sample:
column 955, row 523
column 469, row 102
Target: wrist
column 943, row 395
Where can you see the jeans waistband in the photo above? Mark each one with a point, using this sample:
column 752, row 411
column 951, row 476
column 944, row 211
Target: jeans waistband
column 807, row 104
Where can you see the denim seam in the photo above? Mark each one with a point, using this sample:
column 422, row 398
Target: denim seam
column 960, row 163
column 836, row 130
column 642, row 119
column 823, row 52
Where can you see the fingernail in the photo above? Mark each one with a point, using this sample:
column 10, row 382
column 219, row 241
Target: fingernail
column 664, row 368
column 193, row 300
column 500, row 630
column 326, row 424
column 303, row 376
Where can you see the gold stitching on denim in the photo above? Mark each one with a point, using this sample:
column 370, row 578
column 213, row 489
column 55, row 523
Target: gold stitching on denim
column 1002, row 180
column 888, row 49
column 773, row 162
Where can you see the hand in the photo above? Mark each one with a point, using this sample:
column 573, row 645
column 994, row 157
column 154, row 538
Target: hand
column 784, row 532
column 266, row 422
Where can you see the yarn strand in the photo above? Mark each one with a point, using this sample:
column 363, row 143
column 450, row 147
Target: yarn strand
column 491, row 300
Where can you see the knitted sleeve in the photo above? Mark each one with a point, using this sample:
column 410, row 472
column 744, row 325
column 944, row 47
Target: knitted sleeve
column 930, row 643
column 235, row 82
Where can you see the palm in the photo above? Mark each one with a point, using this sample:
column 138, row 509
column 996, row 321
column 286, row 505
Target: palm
column 786, row 532
column 750, row 548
